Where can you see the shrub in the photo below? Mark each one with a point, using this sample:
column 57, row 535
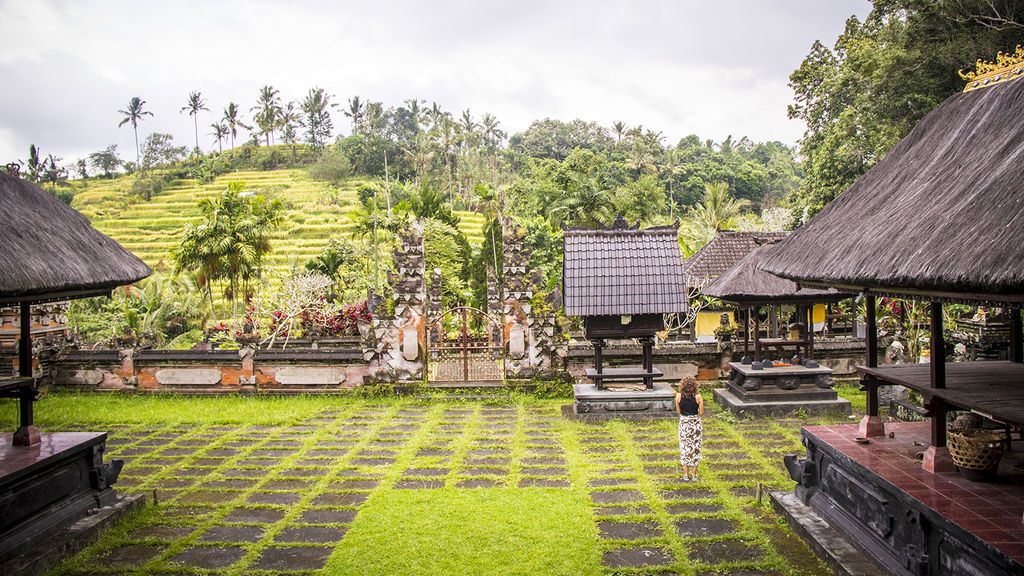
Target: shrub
column 332, row 166
column 147, row 185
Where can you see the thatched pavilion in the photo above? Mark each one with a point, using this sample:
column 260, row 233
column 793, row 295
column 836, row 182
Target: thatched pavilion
column 749, row 288
column 939, row 219
column 50, row 480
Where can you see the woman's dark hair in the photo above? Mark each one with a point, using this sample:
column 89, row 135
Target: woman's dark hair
column 688, row 387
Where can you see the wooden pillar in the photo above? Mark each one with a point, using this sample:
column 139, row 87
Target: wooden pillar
column 1016, row 336
column 746, row 332
column 871, row 426
column 936, row 457
column 648, row 360
column 773, row 321
column 598, row 359
column 27, row 434
column 810, row 331
column 757, row 334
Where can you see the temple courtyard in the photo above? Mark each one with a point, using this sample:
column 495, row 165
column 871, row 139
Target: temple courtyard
column 344, row 485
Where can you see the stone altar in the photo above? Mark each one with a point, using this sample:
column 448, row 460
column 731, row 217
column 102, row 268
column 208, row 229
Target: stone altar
column 770, row 391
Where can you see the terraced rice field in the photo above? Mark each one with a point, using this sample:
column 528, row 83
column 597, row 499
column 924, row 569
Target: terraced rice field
column 152, row 229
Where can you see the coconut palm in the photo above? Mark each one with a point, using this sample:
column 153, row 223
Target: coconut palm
column 356, row 110
column 195, row 104
column 233, row 120
column 716, row 212
column 267, row 110
column 416, row 111
column 619, row 128
column 133, row 114
column 288, row 121
column 220, row 132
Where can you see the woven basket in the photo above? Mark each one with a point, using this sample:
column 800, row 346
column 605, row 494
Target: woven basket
column 975, row 449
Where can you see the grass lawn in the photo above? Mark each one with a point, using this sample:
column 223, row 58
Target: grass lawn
column 346, row 485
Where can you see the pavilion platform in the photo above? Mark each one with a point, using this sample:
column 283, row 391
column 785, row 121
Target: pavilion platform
column 637, row 402
column 908, row 520
column 55, row 496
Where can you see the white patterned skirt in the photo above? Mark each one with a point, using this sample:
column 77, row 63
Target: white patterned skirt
column 690, row 435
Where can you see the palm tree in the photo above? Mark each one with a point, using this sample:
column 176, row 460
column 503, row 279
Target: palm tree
column 233, row 119
column 716, row 212
column 416, row 111
column 267, row 110
column 220, row 132
column 288, row 120
column 132, row 115
column 356, row 110
column 195, row 104
column 620, row 129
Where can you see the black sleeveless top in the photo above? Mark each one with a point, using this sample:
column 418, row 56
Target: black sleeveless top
column 688, row 406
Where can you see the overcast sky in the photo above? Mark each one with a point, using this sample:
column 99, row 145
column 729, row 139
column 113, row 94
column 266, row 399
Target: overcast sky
column 713, row 68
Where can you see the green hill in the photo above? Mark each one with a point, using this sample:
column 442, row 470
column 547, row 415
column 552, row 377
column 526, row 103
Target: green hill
column 152, row 229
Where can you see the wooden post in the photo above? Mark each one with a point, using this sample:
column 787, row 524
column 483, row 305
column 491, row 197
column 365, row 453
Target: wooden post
column 1016, row 336
column 936, row 457
column 746, row 332
column 757, row 334
column 773, row 321
column 810, row 331
column 598, row 360
column 648, row 345
column 27, row 434
column 871, row 426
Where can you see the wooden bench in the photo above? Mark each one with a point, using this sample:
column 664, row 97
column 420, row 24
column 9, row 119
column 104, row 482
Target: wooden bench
column 623, row 375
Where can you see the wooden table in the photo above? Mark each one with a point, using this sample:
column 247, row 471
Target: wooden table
column 781, row 344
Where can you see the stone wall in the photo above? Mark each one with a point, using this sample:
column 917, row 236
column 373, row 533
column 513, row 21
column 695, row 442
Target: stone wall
column 209, row 371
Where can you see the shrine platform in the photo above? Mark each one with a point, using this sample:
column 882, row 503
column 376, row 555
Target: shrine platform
column 54, row 498
column 592, row 403
column 907, row 520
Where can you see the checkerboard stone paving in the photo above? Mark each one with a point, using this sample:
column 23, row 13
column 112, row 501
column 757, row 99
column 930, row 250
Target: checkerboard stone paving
column 238, row 499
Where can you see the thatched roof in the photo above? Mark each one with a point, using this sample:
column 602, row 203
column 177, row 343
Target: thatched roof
column 745, row 284
column 619, row 271
column 724, row 251
column 51, row 251
column 942, row 215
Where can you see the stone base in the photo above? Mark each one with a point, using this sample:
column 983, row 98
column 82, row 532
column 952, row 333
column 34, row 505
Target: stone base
column 740, row 407
column 831, row 545
column 937, row 460
column 593, row 404
column 26, row 436
column 872, row 427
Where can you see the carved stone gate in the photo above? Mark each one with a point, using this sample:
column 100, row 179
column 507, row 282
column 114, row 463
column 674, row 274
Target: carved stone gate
column 464, row 344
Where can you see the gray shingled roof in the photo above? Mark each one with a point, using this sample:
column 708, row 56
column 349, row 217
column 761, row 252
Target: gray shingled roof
column 615, row 272
column 942, row 214
column 745, row 284
column 725, row 250
column 49, row 250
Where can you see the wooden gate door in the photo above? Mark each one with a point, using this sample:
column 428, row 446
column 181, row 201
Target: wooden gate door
column 465, row 345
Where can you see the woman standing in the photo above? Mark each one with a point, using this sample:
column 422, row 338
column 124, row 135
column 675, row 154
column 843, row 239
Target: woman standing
column 690, row 407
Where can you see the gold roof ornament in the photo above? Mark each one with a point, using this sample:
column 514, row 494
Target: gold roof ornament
column 1006, row 67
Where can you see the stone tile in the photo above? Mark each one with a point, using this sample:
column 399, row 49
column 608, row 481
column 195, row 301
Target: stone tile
column 478, row 483
column 129, row 556
column 486, row 461
column 175, row 483
column 208, row 461
column 194, row 471
column 354, row 484
column 694, row 508
column 705, row 526
column 604, row 482
column 318, row 534
column 543, row 483
column 254, row 515
column 160, row 532
column 341, row 498
column 420, row 484
column 222, row 452
column 543, row 461
column 622, row 510
column 208, row 497
column 233, row 534
column 327, row 516
column 638, row 557
column 547, row 471
column 286, row 484
column 209, row 557
column 629, row 530
column 615, row 496
column 190, row 512
column 426, row 472
column 372, row 461
column 725, row 551
column 484, row 471
column 236, row 483
column 248, row 473
column 687, row 494
column 433, row 452
column 304, row 472
column 279, row 498
column 293, row 558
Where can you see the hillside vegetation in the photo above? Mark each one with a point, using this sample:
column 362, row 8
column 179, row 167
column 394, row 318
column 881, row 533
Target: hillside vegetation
column 314, row 213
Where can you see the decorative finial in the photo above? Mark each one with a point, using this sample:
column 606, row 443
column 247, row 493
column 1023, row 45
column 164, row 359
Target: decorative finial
column 14, row 169
column 1008, row 65
column 620, row 223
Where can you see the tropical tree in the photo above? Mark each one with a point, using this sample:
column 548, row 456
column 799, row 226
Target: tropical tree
column 35, row 164
column 134, row 114
column 233, row 120
column 194, row 106
column 288, row 122
column 106, row 160
column 316, row 110
column 717, row 212
column 267, row 111
column 355, row 111
column 619, row 129
column 220, row 132
column 230, row 241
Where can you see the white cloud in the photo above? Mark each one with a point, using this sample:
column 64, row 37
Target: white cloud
column 711, row 68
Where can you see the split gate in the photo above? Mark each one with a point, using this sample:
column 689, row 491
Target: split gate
column 465, row 344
